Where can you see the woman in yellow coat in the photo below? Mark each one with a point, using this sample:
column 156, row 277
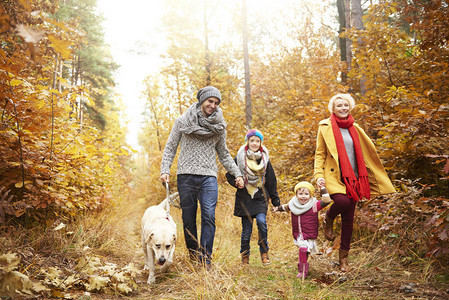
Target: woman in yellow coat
column 346, row 162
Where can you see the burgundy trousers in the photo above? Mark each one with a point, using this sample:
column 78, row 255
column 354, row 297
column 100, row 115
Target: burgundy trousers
column 344, row 206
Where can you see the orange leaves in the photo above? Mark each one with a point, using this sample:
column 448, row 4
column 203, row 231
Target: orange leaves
column 52, row 156
column 406, row 88
column 24, row 4
column 290, row 95
column 4, row 21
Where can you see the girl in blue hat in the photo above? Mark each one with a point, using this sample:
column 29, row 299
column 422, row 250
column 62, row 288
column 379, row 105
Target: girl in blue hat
column 251, row 200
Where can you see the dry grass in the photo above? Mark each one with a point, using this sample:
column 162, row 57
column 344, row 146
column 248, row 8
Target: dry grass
column 376, row 274
column 114, row 235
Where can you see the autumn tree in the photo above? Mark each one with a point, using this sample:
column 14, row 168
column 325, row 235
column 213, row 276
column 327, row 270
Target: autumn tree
column 292, row 92
column 345, row 50
column 245, row 34
column 92, row 64
column 406, row 86
column 50, row 167
column 350, row 15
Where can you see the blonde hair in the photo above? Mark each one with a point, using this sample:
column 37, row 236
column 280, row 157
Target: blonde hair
column 346, row 97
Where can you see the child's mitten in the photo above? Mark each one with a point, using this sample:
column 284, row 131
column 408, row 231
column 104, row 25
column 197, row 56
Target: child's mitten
column 325, row 195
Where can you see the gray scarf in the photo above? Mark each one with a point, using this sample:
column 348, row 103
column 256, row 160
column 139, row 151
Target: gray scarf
column 297, row 208
column 196, row 124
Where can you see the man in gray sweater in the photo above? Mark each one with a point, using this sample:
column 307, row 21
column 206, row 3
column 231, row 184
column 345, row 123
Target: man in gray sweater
column 201, row 132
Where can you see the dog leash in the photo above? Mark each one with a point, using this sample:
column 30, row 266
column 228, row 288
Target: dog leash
column 168, row 197
column 171, row 197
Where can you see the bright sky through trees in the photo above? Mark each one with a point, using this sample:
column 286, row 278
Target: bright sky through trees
column 129, row 29
column 134, row 31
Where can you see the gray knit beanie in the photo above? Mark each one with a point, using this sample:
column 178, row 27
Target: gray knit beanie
column 207, row 92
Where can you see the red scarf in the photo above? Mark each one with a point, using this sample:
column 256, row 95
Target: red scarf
column 356, row 188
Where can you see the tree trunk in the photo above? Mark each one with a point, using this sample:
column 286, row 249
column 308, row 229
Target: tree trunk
column 60, row 76
column 178, row 91
column 53, row 86
column 248, row 112
column 356, row 15
column 348, row 41
column 206, row 46
column 155, row 116
column 156, row 120
column 342, row 22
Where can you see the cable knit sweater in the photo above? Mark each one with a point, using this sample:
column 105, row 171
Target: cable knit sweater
column 197, row 156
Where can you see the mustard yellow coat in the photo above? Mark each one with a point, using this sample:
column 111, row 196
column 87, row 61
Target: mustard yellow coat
column 327, row 164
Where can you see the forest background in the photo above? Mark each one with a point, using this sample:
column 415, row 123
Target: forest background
column 69, row 181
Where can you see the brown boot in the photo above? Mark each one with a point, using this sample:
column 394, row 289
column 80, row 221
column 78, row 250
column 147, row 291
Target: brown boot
column 265, row 260
column 329, row 228
column 245, row 259
column 343, row 259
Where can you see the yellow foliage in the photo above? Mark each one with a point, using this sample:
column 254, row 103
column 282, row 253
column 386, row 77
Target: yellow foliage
column 60, row 46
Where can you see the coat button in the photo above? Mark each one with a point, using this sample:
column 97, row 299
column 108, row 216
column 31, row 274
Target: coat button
column 332, row 170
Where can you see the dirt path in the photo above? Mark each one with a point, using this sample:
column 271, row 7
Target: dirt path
column 377, row 271
column 375, row 274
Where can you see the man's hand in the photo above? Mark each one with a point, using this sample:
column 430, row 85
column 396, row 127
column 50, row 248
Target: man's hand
column 239, row 182
column 165, row 178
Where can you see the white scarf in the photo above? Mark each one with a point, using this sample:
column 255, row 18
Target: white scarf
column 297, row 208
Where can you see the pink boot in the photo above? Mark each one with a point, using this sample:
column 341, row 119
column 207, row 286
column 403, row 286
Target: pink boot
column 303, row 265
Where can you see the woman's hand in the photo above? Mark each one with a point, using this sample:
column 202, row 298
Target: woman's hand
column 321, row 182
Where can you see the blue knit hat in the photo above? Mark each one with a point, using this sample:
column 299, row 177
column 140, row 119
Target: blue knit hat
column 207, row 92
column 253, row 132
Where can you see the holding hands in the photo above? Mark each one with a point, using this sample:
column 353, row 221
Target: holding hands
column 278, row 208
column 239, row 182
column 321, row 182
column 323, row 191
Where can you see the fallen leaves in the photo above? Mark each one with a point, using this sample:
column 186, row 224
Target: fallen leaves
column 90, row 274
column 97, row 283
column 15, row 281
column 8, row 263
column 12, row 282
column 59, row 227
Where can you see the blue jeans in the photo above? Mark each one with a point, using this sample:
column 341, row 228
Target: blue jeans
column 247, row 229
column 194, row 188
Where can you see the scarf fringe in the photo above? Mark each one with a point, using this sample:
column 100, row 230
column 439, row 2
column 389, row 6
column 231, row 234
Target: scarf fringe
column 355, row 188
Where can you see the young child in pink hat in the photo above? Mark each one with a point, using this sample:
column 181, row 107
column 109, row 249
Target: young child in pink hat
column 304, row 211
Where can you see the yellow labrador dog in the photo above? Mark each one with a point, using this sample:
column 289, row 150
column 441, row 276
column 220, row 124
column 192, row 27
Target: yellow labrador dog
column 158, row 237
